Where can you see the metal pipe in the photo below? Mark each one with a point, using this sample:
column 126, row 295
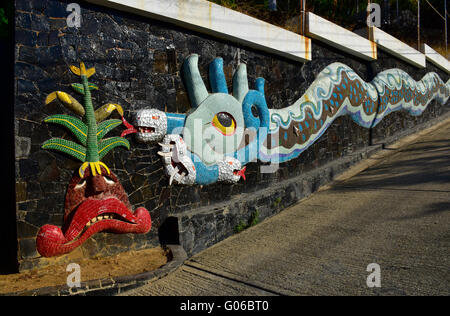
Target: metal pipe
column 304, row 14
column 302, row 17
column 387, row 12
column 446, row 49
column 418, row 25
column 299, row 26
column 369, row 33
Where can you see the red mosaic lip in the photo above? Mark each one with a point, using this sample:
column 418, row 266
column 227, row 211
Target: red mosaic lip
column 51, row 241
column 241, row 173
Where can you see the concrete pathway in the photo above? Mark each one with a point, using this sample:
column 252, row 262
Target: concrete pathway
column 395, row 213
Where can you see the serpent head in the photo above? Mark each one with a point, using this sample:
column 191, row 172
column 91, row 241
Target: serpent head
column 208, row 144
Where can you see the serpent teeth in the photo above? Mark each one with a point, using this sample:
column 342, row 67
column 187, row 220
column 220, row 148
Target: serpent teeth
column 166, row 148
column 172, row 176
column 164, row 154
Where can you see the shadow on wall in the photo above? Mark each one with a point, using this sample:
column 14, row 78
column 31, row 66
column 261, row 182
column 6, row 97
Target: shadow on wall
column 168, row 232
column 8, row 233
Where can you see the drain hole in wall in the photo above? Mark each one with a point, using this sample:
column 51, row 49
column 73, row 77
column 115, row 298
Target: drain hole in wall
column 168, row 232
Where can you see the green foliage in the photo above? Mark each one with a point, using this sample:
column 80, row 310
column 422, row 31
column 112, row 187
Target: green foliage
column 254, row 218
column 78, row 87
column 252, row 221
column 75, row 125
column 277, row 202
column 240, row 227
column 88, row 132
column 106, row 145
column 3, row 18
column 104, row 127
column 6, row 18
column 66, row 146
column 226, row 3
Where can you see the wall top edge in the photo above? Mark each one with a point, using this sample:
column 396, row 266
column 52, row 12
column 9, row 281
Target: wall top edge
column 214, row 20
column 206, row 17
column 339, row 37
column 436, row 58
column 398, row 48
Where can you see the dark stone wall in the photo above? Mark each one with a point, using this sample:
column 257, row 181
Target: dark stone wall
column 137, row 63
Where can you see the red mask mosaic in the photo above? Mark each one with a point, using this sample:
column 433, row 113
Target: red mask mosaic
column 93, row 204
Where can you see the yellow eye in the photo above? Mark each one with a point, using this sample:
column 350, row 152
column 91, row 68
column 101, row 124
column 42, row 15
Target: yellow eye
column 224, row 123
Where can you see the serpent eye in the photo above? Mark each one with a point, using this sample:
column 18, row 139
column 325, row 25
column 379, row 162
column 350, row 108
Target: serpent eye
column 224, row 123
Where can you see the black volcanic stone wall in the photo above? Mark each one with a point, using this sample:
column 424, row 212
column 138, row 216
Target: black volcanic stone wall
column 137, row 62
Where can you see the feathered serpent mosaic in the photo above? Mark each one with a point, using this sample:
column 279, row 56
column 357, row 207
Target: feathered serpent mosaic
column 225, row 132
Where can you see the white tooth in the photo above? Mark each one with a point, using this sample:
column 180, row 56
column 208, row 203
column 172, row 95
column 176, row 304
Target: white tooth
column 88, row 224
column 165, row 148
column 172, row 176
column 93, row 220
column 100, row 218
column 164, row 154
column 169, row 169
column 165, row 145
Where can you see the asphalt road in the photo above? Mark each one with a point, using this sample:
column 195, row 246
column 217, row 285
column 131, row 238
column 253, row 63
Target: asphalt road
column 395, row 213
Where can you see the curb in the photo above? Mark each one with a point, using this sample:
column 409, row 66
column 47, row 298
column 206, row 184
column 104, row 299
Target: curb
column 113, row 285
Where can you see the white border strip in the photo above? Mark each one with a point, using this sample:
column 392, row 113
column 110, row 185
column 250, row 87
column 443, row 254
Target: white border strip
column 218, row 21
column 399, row 49
column 436, row 58
column 339, row 37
